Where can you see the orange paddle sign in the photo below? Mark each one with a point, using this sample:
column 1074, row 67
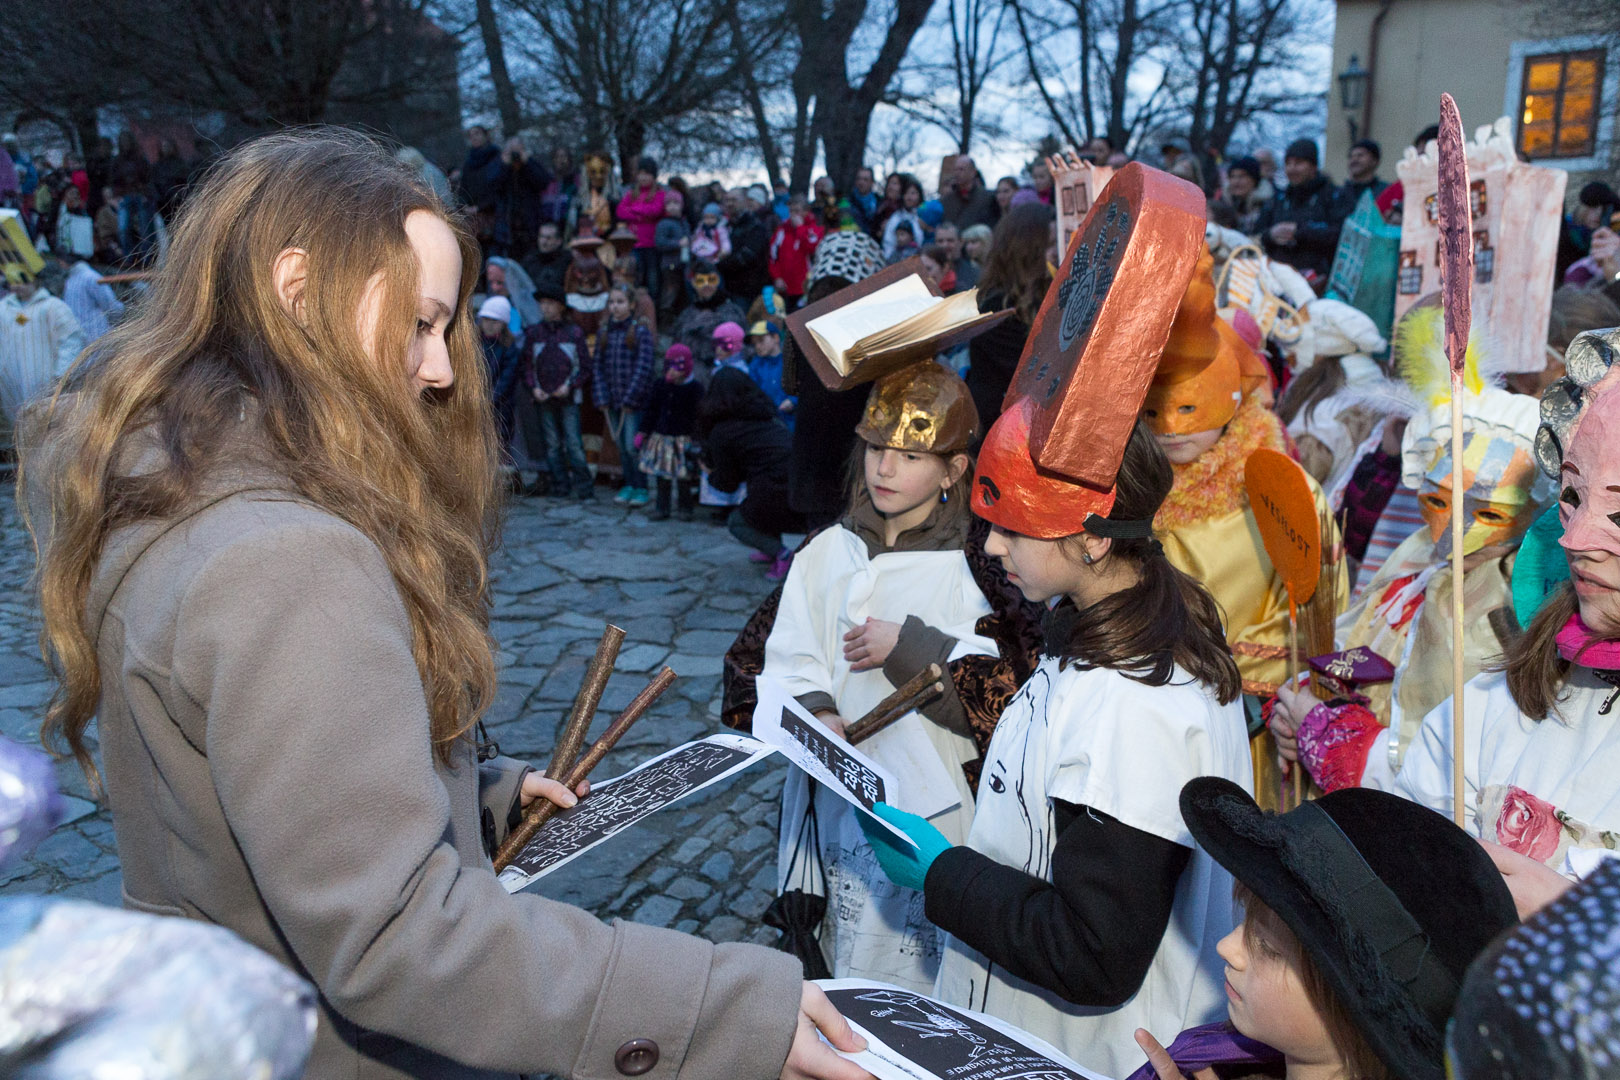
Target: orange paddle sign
column 1280, row 496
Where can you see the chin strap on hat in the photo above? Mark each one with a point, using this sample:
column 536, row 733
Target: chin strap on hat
column 1118, row 529
column 1375, row 913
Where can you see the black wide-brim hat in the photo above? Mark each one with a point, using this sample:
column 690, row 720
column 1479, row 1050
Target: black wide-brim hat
column 1389, row 899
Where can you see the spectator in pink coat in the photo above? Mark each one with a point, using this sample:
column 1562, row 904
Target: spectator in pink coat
column 640, row 208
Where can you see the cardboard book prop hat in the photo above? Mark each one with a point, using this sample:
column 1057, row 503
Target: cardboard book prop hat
column 923, row 408
column 1201, row 376
column 1048, row 465
column 1390, row 900
column 1544, row 1000
column 884, row 323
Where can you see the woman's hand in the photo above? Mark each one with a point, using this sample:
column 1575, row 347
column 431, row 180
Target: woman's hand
column 1286, row 716
column 1533, row 884
column 537, row 785
column 869, row 645
column 810, row 1059
column 1159, row 1058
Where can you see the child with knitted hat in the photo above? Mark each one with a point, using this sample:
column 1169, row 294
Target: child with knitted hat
column 669, row 426
column 728, row 347
column 711, row 240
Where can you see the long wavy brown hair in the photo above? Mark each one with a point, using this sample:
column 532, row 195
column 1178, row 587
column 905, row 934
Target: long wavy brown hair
column 211, row 339
column 1015, row 267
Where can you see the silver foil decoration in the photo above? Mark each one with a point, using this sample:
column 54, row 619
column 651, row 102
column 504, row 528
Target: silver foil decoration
column 94, row 993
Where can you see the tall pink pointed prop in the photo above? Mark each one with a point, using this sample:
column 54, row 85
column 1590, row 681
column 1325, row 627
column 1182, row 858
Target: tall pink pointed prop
column 1455, row 213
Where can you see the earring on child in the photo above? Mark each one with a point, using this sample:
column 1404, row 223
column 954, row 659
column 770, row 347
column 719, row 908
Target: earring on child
column 1086, row 558
column 944, row 496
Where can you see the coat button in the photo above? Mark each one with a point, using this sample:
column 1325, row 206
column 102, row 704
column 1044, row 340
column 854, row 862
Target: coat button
column 636, row 1057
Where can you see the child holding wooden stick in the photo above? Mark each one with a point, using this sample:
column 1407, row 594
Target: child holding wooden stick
column 900, row 583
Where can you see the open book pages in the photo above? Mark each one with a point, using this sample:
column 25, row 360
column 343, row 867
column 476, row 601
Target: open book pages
column 894, row 317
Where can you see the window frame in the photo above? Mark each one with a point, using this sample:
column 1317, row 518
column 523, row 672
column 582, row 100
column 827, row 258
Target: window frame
column 1600, row 158
column 1564, row 59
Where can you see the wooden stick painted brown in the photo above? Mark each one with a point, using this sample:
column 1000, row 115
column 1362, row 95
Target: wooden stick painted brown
column 545, row 808
column 929, row 674
column 590, row 696
column 870, row 727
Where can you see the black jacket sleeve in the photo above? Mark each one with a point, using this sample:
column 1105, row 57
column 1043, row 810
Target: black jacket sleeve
column 1091, row 933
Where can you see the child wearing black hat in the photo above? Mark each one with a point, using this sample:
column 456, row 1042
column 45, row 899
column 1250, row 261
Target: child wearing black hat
column 1362, row 912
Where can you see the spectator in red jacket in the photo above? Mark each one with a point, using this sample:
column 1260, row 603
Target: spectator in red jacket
column 640, row 208
column 792, row 248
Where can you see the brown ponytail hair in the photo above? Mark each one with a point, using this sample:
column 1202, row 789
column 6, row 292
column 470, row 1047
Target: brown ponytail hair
column 1166, row 619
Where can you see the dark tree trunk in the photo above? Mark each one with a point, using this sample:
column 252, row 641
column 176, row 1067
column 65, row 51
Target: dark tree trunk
column 505, row 96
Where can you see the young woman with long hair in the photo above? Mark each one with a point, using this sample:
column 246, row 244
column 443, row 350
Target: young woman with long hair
column 1079, row 907
column 1015, row 275
column 264, row 520
column 902, row 581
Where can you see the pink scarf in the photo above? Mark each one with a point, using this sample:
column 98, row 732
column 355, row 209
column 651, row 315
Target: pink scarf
column 1578, row 645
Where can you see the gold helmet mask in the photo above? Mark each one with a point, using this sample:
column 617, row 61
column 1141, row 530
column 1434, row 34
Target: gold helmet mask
column 924, row 408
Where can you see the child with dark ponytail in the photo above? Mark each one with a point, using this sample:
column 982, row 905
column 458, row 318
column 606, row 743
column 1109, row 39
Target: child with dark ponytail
column 1080, row 905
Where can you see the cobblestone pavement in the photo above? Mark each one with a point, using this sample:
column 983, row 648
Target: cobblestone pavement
column 681, row 590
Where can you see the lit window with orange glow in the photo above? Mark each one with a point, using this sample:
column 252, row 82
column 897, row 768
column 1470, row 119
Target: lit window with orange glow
column 1559, row 104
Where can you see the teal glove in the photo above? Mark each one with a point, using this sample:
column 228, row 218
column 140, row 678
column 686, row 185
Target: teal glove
column 905, row 866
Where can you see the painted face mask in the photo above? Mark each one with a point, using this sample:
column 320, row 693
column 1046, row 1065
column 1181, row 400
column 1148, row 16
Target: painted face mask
column 1199, row 382
column 1589, row 485
column 1496, row 478
column 596, row 170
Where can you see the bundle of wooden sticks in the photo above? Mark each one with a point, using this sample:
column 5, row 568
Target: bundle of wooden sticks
column 567, row 765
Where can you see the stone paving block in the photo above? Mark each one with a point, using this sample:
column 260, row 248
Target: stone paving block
column 528, row 579
column 622, row 566
column 20, row 725
column 660, row 877
column 689, row 850
column 687, row 888
column 718, row 866
column 751, row 904
column 764, row 878
column 687, row 926
column 29, row 695
column 716, row 619
column 657, row 910
column 75, row 809
column 641, row 658
column 725, row 928
column 67, row 850
column 706, row 642
column 754, row 838
column 693, row 664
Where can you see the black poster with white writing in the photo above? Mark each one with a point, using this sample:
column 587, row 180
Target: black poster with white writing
column 942, row 1041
